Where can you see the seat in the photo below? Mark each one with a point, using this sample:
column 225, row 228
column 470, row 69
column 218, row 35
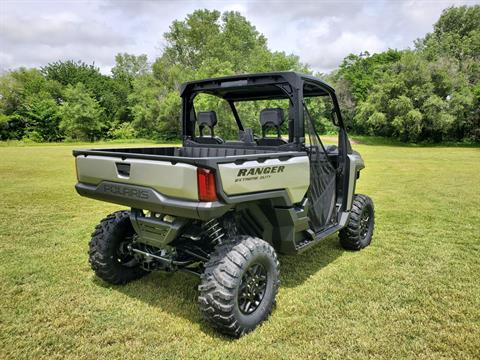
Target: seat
column 207, row 119
column 331, row 149
column 271, row 118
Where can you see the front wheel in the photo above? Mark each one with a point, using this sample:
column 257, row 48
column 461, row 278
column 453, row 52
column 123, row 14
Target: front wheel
column 358, row 233
column 239, row 285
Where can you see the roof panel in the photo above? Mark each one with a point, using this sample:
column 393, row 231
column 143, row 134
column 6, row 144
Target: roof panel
column 256, row 86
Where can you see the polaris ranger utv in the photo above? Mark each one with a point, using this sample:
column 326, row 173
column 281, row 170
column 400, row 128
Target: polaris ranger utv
column 222, row 209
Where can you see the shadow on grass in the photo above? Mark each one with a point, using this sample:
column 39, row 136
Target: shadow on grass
column 295, row 269
column 177, row 293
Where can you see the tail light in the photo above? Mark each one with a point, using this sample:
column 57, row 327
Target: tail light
column 207, row 190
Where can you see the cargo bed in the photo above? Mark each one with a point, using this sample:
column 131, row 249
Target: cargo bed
column 174, row 153
column 165, row 179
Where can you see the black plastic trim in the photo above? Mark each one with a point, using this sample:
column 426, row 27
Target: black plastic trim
column 209, row 162
column 146, row 198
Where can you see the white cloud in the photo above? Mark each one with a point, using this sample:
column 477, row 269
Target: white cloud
column 59, row 30
column 5, row 61
column 322, row 33
column 328, row 55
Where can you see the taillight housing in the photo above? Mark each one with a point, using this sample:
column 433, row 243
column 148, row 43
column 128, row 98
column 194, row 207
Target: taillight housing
column 207, row 191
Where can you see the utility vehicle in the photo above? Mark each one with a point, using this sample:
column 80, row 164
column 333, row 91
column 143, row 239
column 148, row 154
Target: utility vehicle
column 222, row 209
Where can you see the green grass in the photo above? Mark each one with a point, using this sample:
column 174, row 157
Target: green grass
column 415, row 292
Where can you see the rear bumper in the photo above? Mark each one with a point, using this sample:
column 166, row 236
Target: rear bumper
column 140, row 197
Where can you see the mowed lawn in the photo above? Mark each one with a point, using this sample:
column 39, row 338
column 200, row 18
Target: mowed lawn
column 415, row 292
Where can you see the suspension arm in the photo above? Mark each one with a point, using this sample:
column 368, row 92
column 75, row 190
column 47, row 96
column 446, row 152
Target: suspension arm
column 164, row 260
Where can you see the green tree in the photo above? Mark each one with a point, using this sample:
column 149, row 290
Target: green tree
column 205, row 44
column 104, row 89
column 427, row 94
column 364, row 71
column 430, row 93
column 456, row 34
column 29, row 104
column 43, row 114
column 122, row 131
column 81, row 114
column 145, row 106
column 128, row 67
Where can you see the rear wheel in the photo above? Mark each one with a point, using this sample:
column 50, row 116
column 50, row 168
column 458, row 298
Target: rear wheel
column 239, row 285
column 359, row 230
column 109, row 255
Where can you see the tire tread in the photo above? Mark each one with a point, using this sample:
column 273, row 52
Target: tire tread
column 349, row 236
column 217, row 288
column 100, row 258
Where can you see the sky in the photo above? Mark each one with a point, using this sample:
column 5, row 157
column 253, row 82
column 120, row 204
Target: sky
column 321, row 33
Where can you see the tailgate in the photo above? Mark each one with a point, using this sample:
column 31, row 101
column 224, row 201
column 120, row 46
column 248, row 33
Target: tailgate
column 176, row 180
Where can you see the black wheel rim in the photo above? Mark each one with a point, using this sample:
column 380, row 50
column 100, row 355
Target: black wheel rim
column 365, row 220
column 124, row 255
column 252, row 289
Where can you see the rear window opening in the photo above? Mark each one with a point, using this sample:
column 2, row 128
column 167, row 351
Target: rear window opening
column 218, row 121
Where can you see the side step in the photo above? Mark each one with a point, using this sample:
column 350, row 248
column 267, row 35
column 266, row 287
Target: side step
column 314, row 238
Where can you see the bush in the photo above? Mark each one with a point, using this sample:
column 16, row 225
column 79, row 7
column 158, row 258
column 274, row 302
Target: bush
column 122, row 131
column 32, row 136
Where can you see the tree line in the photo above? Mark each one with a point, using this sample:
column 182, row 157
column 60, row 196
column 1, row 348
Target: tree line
column 428, row 93
column 431, row 92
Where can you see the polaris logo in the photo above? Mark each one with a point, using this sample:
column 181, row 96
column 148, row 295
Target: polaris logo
column 261, row 171
column 125, row 191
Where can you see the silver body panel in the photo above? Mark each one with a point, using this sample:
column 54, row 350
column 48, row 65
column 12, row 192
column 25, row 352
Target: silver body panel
column 175, row 180
column 293, row 175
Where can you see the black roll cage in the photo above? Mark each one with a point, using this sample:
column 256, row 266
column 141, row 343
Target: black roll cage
column 264, row 86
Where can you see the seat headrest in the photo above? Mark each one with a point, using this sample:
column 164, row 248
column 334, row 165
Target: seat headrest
column 207, row 118
column 272, row 117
